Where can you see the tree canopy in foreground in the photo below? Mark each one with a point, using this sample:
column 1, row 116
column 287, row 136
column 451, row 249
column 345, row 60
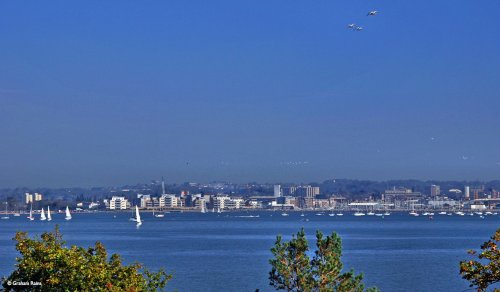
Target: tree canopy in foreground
column 293, row 270
column 47, row 265
column 485, row 271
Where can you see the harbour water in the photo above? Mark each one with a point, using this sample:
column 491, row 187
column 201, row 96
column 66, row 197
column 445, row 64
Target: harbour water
column 230, row 251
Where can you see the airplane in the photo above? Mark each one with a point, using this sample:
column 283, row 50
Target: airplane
column 358, row 28
column 351, row 26
column 372, row 13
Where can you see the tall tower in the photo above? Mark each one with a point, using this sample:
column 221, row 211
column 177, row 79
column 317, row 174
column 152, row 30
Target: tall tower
column 162, row 186
column 277, row 191
column 435, row 190
column 467, row 193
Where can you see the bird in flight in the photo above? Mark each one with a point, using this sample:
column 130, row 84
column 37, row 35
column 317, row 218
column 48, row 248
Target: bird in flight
column 372, row 13
column 354, row 27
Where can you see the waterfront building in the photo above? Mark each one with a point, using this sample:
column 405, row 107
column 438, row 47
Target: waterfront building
column 145, row 201
column 402, row 197
column 443, row 203
column 300, row 191
column 94, row 205
column 435, row 190
column 29, row 198
column 234, row 203
column 255, row 204
column 169, row 201
column 226, row 202
column 200, row 203
column 118, row 203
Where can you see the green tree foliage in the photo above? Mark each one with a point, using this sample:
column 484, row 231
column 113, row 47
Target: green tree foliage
column 485, row 271
column 293, row 270
column 57, row 268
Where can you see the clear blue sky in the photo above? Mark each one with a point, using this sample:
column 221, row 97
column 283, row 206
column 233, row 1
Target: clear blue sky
column 112, row 92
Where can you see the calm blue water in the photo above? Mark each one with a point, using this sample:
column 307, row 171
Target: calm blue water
column 224, row 252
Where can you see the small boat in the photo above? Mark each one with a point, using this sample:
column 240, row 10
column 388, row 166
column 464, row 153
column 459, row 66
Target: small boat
column 42, row 215
column 340, row 214
column 442, row 213
column 331, row 214
column 488, row 213
column 17, row 214
column 459, row 213
column 379, row 215
column 387, row 214
column 413, row 213
column 68, row 214
column 49, row 216
column 319, row 214
column 357, row 214
column 370, row 214
column 302, row 215
column 158, row 215
column 219, row 210
column 481, row 216
column 284, row 214
column 248, row 216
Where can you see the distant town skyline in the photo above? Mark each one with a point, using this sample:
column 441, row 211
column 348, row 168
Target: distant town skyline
column 99, row 94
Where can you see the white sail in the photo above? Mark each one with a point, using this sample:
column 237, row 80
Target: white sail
column 137, row 216
column 49, row 217
column 31, row 213
column 42, row 215
column 203, row 207
column 68, row 214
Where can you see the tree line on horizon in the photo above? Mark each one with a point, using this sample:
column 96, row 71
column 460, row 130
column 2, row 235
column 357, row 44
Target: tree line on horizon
column 350, row 188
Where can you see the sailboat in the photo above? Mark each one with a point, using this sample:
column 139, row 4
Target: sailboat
column 42, row 215
column 6, row 216
column 137, row 217
column 49, row 217
column 68, row 214
column 202, row 207
column 31, row 213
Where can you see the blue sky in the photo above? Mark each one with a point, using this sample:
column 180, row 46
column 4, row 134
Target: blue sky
column 112, row 92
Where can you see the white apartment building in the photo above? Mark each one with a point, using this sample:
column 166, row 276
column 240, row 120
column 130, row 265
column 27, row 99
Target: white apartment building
column 169, row 201
column 226, row 202
column 118, row 203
